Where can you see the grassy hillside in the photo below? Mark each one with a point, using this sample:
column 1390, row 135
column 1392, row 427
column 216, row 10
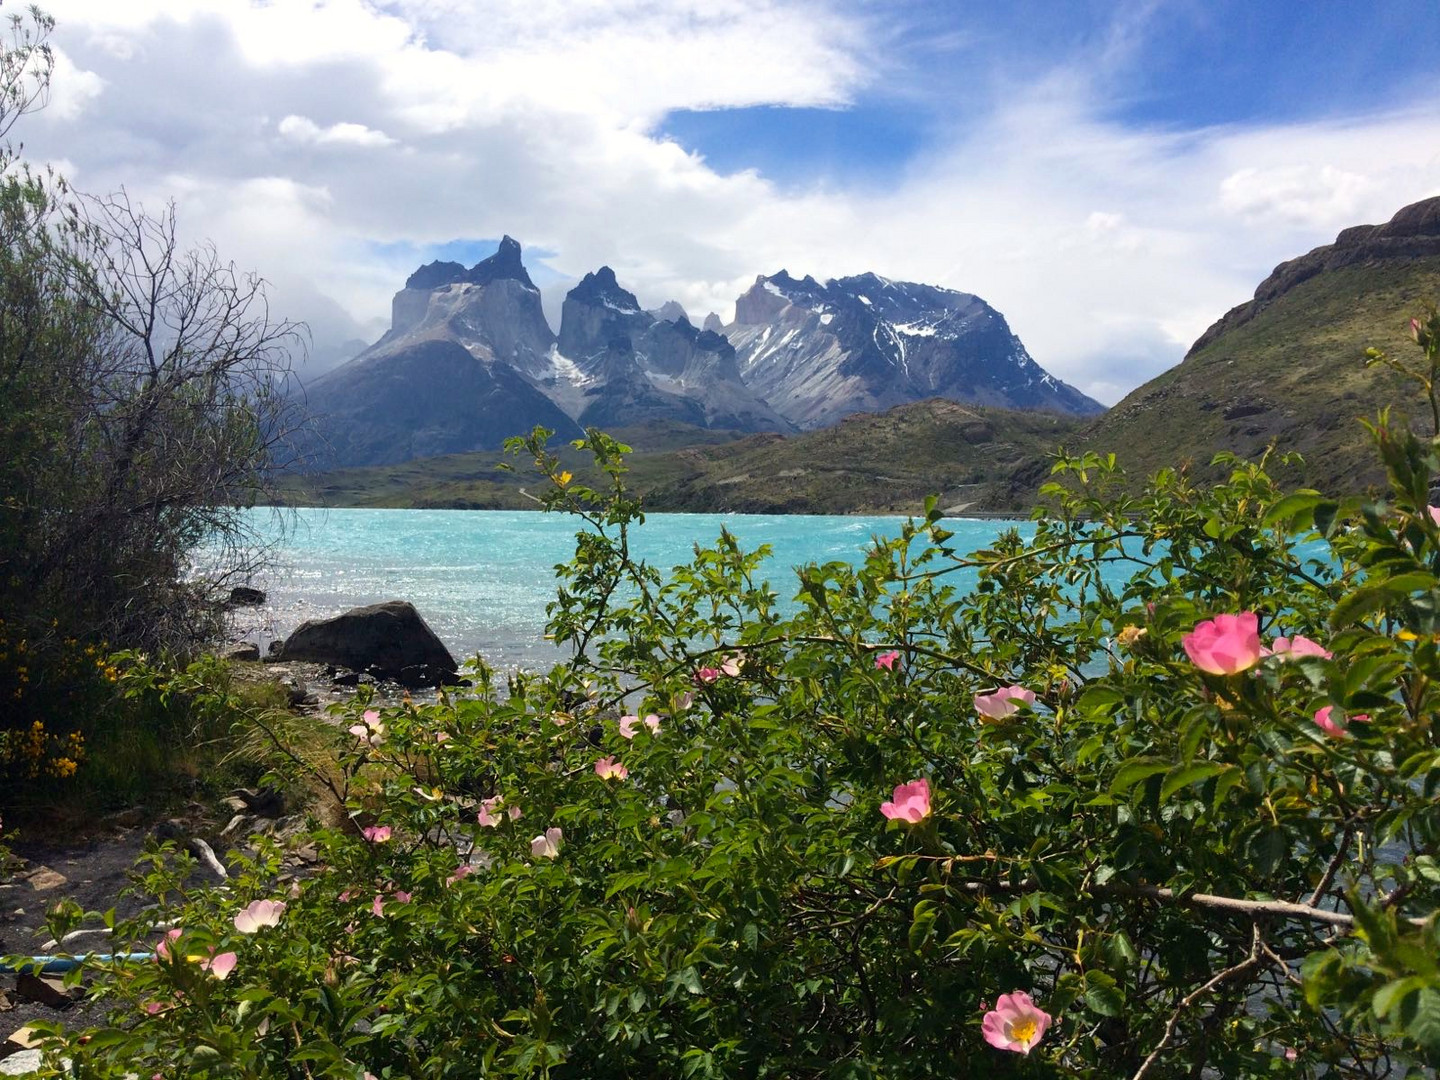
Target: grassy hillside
column 869, row 463
column 1294, row 374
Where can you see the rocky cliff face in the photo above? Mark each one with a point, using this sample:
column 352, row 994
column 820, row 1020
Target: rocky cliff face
column 629, row 366
column 819, row 352
column 470, row 360
column 1412, row 234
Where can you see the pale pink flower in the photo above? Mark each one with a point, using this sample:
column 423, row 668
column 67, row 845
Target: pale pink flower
column 887, row 660
column 547, row 845
column 707, row 674
column 911, row 802
column 377, row 906
column 1335, row 726
column 732, row 665
column 1290, row 1054
column 1434, row 512
column 259, row 914
column 162, row 948
column 630, row 724
column 1016, row 1023
column 1002, row 703
column 685, row 699
column 219, row 966
column 514, row 813
column 1298, row 646
column 377, row 834
column 1226, row 644
column 462, row 871
column 607, row 768
column 487, row 816
column 401, row 896
column 371, row 731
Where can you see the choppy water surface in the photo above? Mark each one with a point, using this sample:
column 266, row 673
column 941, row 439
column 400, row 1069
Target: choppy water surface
column 482, row 578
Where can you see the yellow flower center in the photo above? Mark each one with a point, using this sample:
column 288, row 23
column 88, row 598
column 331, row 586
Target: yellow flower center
column 1022, row 1031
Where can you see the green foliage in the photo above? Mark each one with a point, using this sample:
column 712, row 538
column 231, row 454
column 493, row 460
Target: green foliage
column 143, row 407
column 1185, row 868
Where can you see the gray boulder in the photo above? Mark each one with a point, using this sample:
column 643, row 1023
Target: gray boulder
column 243, row 650
column 389, row 640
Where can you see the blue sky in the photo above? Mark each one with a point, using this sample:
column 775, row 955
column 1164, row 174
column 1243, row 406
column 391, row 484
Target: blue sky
column 1177, row 66
column 1111, row 176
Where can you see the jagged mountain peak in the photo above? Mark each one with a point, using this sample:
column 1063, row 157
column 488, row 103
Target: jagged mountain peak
column 505, row 264
column 670, row 311
column 601, row 287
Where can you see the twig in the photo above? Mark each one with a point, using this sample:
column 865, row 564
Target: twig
column 1173, row 1023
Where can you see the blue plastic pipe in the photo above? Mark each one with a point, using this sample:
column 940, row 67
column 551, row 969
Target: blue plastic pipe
column 58, row 965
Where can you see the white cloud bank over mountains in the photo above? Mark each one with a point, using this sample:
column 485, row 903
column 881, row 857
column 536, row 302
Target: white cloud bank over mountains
column 322, row 142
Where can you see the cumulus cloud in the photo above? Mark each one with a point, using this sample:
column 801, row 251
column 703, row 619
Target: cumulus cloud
column 1108, row 247
column 304, row 130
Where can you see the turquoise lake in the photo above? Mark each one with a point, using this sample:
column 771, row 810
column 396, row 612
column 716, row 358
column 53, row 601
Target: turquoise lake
column 482, row 578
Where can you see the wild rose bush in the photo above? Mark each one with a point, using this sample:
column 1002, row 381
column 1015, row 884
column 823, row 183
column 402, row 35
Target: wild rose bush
column 1079, row 817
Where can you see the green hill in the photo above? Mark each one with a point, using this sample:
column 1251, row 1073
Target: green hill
column 1288, row 366
column 868, row 463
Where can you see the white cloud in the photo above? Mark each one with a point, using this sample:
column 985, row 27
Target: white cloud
column 1108, row 248
column 303, row 129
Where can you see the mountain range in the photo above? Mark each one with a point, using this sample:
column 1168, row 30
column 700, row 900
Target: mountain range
column 1286, row 368
column 470, row 360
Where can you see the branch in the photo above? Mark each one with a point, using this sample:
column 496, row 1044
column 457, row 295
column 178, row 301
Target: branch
column 1172, row 1024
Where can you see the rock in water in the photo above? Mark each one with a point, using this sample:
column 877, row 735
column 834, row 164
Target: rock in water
column 245, row 596
column 390, row 640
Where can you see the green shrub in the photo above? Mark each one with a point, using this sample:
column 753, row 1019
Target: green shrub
column 703, row 848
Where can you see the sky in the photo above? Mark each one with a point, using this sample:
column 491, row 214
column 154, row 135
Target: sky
column 1112, row 177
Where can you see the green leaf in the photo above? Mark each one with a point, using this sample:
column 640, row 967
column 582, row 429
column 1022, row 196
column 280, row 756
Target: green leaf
column 1132, row 772
column 1370, row 598
column 1102, row 995
column 1184, row 775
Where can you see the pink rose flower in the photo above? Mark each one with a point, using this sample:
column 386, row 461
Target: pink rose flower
column 607, row 768
column 1434, row 512
column 1226, row 644
column 219, row 966
column 1003, row 703
column 547, row 845
column 911, row 802
column 259, row 914
column 684, row 700
column 629, row 725
column 378, row 834
column 371, row 731
column 707, row 674
column 401, row 896
column 887, row 660
column 1335, row 726
column 487, row 816
column 1016, row 1023
column 377, row 906
column 1293, row 648
column 162, row 948
column 732, row 665
column 462, row 871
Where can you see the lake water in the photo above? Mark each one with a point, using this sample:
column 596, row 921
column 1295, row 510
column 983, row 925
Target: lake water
column 482, row 578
